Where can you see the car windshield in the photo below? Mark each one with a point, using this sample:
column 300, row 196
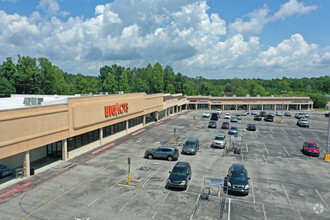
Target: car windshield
column 251, row 125
column 190, row 144
column 312, row 146
column 225, row 123
column 219, row 138
column 303, row 120
column 212, row 122
column 233, row 128
column 238, row 176
column 181, row 171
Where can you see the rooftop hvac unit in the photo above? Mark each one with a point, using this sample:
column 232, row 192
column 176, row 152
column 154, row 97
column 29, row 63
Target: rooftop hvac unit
column 33, row 101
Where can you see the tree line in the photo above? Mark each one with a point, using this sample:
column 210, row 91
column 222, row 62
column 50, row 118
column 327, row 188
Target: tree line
column 39, row 76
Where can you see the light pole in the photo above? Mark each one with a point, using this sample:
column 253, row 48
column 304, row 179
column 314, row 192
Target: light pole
column 327, row 154
column 282, row 105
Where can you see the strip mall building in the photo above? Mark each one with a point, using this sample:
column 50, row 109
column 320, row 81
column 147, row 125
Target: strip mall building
column 33, row 127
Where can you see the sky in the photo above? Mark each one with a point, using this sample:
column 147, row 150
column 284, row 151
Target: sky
column 215, row 39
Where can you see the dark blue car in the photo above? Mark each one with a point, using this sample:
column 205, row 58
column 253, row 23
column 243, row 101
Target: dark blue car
column 5, row 171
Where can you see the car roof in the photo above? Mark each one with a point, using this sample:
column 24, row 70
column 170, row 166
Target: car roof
column 168, row 147
column 192, row 139
column 225, row 122
column 233, row 127
column 220, row 135
column 182, row 164
column 238, row 168
column 311, row 142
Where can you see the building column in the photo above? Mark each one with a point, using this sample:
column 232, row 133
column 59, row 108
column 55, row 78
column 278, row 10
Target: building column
column 126, row 126
column 157, row 116
column 249, row 107
column 195, row 106
column 64, row 149
column 299, row 107
column 262, row 107
column 210, row 107
column 26, row 164
column 101, row 136
column 144, row 120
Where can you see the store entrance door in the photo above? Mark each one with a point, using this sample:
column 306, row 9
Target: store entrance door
column 55, row 149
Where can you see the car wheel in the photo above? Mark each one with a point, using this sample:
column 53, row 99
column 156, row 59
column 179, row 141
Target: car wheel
column 150, row 156
column 169, row 158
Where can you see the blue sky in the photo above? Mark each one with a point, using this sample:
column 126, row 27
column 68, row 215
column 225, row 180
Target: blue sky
column 210, row 38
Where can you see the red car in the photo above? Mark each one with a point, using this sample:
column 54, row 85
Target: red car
column 310, row 148
column 225, row 125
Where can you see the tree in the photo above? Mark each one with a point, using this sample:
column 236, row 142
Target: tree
column 8, row 70
column 157, row 82
column 123, row 84
column 319, row 100
column 5, row 87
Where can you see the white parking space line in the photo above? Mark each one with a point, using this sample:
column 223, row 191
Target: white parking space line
column 266, row 149
column 242, row 158
column 271, row 136
column 322, row 199
column 265, row 158
column 150, row 177
column 247, row 149
column 263, row 210
column 122, row 208
column 162, row 182
column 192, row 215
column 310, row 162
column 285, row 132
column 288, row 161
column 287, row 196
column 286, row 151
column 160, row 206
column 300, row 134
column 229, row 208
column 111, row 187
column 254, row 198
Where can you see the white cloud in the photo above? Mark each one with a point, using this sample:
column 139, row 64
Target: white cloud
column 290, row 54
column 291, row 8
column 254, row 25
column 259, row 18
column 135, row 33
column 51, row 7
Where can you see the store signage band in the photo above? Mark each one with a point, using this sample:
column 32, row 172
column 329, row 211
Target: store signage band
column 114, row 110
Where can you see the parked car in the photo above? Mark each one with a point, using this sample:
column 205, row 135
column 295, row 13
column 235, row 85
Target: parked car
column 233, row 130
column 219, row 141
column 303, row 122
column 237, row 179
column 191, row 146
column 234, row 119
column 279, row 113
column 269, row 117
column 225, row 125
column 263, row 114
column 299, row 115
column 288, row 114
column 251, row 127
column 212, row 124
column 164, row 152
column 254, row 112
column 245, row 113
column 257, row 118
column 215, row 116
column 219, row 111
column 239, row 117
column 310, row 148
column 180, row 175
column 227, row 116
column 306, row 115
column 206, row 114
column 5, row 171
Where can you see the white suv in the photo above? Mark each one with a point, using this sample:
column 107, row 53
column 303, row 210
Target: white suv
column 227, row 116
column 219, row 111
column 219, row 141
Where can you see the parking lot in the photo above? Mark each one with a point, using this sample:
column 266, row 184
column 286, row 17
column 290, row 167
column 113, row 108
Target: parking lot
column 284, row 184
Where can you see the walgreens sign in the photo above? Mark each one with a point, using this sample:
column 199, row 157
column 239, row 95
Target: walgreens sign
column 114, row 110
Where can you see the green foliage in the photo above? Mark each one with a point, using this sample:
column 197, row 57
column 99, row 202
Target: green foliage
column 40, row 76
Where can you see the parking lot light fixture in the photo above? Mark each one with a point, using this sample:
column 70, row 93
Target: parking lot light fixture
column 282, row 105
column 327, row 154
